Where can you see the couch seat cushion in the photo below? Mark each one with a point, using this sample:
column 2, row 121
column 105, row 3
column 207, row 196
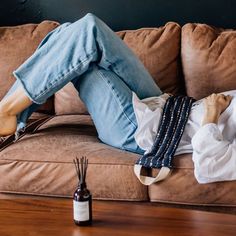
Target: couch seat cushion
column 42, row 163
column 181, row 187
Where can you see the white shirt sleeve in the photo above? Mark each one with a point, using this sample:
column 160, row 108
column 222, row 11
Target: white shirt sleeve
column 214, row 158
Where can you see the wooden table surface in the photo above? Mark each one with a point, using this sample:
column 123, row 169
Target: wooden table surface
column 23, row 217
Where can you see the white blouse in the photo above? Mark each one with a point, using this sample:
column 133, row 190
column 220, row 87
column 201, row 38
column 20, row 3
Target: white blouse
column 213, row 146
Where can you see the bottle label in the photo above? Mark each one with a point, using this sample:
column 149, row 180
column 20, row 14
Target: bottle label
column 81, row 210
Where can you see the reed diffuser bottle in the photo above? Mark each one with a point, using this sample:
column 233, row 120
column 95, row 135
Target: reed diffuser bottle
column 82, row 202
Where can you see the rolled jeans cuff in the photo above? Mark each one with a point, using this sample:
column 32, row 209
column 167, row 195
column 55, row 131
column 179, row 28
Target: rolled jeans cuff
column 16, row 73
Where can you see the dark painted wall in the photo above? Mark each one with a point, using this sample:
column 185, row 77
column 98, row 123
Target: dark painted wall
column 121, row 14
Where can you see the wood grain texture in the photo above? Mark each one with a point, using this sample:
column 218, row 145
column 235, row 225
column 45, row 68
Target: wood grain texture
column 54, row 217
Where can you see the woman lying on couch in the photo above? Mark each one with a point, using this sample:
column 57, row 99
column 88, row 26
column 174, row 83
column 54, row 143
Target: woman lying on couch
column 121, row 97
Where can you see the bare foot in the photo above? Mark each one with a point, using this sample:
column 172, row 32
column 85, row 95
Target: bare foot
column 214, row 105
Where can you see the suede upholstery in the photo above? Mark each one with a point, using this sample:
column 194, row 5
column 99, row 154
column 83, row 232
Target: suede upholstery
column 208, row 59
column 181, row 187
column 41, row 163
column 159, row 51
column 67, row 101
column 49, row 170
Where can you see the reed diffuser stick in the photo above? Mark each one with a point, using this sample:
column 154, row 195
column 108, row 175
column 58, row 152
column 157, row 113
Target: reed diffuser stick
column 81, row 166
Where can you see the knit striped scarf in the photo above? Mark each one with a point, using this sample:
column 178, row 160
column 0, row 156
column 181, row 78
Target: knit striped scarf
column 172, row 123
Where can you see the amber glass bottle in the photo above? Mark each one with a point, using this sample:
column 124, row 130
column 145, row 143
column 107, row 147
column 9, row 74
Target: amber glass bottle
column 82, row 201
column 82, row 206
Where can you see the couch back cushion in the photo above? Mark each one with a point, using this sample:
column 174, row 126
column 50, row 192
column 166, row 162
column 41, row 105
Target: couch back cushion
column 157, row 48
column 208, row 59
column 67, row 101
column 17, row 43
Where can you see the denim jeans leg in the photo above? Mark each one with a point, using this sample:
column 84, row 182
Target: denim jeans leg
column 109, row 102
column 24, row 115
column 86, row 41
column 68, row 51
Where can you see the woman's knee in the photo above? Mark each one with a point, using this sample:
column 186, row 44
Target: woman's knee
column 90, row 17
column 89, row 20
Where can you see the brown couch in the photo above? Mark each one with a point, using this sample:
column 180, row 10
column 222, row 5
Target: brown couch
column 196, row 59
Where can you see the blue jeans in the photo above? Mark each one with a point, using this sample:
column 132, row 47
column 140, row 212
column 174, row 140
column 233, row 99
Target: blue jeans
column 101, row 67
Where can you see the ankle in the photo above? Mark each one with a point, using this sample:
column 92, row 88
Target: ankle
column 4, row 109
column 8, row 125
column 15, row 103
